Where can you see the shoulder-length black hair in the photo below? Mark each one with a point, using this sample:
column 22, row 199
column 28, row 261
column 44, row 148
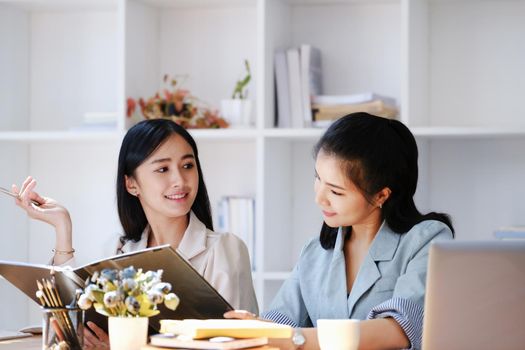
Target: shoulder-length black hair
column 377, row 153
column 138, row 144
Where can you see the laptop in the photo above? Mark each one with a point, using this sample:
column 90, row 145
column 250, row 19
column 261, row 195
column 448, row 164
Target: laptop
column 475, row 296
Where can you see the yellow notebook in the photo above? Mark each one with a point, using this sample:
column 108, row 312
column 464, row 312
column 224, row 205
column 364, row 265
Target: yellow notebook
column 199, row 329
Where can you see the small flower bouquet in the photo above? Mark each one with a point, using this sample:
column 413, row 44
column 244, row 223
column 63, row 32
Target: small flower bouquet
column 178, row 105
column 127, row 293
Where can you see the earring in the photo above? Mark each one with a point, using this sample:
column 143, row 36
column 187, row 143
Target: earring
column 381, row 206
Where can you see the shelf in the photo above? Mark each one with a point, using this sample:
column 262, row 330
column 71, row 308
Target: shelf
column 61, row 5
column 252, row 134
column 224, row 134
column 307, row 133
column 467, row 132
column 420, row 132
column 32, row 136
column 198, row 3
column 198, row 134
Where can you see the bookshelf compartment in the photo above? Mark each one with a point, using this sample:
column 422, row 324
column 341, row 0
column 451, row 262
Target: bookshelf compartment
column 360, row 44
column 71, row 49
column 469, row 75
column 224, row 177
column 203, row 47
column 491, row 191
column 291, row 215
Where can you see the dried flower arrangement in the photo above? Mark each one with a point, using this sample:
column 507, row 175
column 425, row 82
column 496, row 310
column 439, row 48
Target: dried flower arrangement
column 178, row 105
column 127, row 293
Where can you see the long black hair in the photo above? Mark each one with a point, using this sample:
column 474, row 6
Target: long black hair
column 138, row 144
column 377, row 153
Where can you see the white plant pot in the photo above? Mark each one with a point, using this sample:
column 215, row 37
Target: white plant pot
column 127, row 333
column 237, row 112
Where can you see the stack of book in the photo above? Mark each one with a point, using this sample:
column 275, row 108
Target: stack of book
column 510, row 232
column 298, row 77
column 217, row 334
column 236, row 215
column 327, row 108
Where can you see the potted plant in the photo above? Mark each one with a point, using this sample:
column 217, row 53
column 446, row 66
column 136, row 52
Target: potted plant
column 237, row 110
column 128, row 297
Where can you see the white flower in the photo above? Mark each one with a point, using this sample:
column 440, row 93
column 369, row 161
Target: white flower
column 171, row 301
column 84, row 302
column 163, row 287
column 89, row 291
column 111, row 299
column 155, row 297
column 129, row 284
column 132, row 305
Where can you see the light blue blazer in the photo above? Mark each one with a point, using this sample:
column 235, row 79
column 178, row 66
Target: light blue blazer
column 390, row 282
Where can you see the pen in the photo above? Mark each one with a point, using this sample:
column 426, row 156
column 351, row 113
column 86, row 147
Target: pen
column 9, row 193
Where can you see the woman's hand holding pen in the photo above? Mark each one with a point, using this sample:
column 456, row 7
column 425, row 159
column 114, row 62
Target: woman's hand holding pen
column 48, row 211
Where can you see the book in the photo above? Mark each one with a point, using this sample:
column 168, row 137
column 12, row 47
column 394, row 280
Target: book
column 510, row 232
column 237, row 216
column 282, row 90
column 333, row 112
column 219, row 343
column 311, row 79
column 199, row 300
column 153, row 347
column 294, row 85
column 199, row 329
column 351, row 99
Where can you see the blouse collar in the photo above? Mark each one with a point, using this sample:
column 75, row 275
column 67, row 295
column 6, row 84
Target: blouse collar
column 193, row 242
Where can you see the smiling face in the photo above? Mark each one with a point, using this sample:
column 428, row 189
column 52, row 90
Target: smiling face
column 340, row 200
column 166, row 183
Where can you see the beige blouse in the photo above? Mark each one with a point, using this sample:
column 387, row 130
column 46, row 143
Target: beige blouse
column 221, row 258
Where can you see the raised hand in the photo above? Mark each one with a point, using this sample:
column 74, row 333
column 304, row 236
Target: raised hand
column 49, row 211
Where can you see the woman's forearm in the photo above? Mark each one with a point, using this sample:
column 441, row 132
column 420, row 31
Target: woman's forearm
column 382, row 333
column 64, row 240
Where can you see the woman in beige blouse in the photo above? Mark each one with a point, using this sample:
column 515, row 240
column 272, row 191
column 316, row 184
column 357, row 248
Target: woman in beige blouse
column 162, row 199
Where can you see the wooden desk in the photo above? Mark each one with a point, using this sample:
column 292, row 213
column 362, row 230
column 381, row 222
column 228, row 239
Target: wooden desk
column 35, row 343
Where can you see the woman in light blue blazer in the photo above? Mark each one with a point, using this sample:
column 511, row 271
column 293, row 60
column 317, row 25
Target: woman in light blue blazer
column 370, row 260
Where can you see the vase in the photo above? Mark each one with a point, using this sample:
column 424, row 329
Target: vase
column 127, row 333
column 237, row 112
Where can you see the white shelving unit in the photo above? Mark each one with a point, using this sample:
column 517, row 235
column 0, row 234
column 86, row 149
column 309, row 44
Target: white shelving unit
column 455, row 66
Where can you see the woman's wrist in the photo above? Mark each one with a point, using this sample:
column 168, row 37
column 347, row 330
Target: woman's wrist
column 64, row 240
column 298, row 339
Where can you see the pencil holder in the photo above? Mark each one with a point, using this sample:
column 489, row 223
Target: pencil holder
column 62, row 328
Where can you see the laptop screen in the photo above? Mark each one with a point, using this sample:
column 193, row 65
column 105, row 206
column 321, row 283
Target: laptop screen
column 475, row 296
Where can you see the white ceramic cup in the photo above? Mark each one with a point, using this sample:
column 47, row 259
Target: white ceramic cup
column 338, row 334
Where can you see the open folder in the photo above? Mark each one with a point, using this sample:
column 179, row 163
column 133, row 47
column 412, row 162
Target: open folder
column 198, row 299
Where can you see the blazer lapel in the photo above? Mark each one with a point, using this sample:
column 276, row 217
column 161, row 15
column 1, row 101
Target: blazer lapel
column 335, row 286
column 366, row 277
column 383, row 248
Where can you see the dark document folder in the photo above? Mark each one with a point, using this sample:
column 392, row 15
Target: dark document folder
column 198, row 299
